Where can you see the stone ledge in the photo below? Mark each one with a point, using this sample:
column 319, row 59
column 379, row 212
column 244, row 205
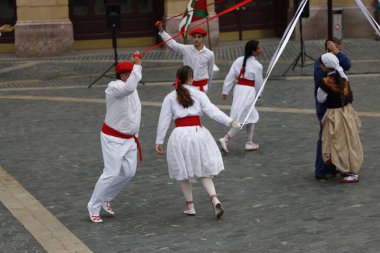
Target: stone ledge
column 43, row 38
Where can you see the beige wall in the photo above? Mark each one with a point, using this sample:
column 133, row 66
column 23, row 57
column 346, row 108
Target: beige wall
column 43, row 28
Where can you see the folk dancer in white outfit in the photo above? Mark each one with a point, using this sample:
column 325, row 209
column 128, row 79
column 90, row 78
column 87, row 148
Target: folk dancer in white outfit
column 197, row 56
column 192, row 152
column 118, row 137
column 247, row 73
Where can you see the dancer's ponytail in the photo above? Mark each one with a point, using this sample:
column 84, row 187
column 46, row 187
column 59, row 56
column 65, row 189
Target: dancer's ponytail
column 183, row 95
column 251, row 46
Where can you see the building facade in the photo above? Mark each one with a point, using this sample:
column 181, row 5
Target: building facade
column 57, row 27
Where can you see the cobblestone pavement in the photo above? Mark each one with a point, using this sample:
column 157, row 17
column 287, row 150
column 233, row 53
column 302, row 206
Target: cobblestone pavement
column 49, row 142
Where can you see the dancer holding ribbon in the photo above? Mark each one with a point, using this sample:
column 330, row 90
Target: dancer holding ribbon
column 192, row 152
column 118, row 137
column 247, row 73
column 197, row 55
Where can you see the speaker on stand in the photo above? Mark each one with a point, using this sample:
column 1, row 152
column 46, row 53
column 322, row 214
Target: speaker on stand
column 113, row 15
column 302, row 54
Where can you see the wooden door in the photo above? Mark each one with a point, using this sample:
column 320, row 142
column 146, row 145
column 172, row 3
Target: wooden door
column 7, row 17
column 137, row 18
column 258, row 14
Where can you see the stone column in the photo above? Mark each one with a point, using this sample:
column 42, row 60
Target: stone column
column 175, row 7
column 43, row 28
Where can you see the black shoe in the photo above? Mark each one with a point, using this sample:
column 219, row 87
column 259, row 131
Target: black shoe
column 320, row 178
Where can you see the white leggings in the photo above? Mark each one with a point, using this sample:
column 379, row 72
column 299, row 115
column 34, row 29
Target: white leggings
column 120, row 162
column 248, row 128
column 187, row 190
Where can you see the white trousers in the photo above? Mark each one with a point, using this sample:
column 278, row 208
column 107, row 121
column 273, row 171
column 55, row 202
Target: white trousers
column 120, row 162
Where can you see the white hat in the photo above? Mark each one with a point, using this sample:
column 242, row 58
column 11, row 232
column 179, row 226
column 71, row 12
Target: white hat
column 331, row 61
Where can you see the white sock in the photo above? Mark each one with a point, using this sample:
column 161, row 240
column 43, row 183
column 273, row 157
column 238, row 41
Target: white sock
column 187, row 191
column 249, row 130
column 231, row 133
column 208, row 184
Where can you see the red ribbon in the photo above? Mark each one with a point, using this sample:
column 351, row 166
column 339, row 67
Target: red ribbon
column 176, row 83
column 241, row 74
column 238, row 5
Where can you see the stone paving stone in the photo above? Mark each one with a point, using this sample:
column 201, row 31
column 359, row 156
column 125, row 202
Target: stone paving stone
column 14, row 238
column 272, row 202
column 272, row 205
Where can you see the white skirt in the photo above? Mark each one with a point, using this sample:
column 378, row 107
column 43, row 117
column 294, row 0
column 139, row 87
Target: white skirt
column 192, row 153
column 242, row 102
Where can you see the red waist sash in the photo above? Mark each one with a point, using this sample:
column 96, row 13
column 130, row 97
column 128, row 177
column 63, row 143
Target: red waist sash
column 243, row 81
column 200, row 84
column 110, row 131
column 188, row 121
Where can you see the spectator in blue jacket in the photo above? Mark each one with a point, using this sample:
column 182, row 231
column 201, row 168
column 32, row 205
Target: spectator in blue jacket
column 334, row 46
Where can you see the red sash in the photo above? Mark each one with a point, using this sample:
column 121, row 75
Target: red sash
column 110, row 131
column 243, row 81
column 200, row 84
column 188, row 121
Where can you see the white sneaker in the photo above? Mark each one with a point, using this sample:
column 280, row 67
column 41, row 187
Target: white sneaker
column 189, row 211
column 249, row 146
column 107, row 207
column 95, row 217
column 218, row 208
column 219, row 211
column 223, row 144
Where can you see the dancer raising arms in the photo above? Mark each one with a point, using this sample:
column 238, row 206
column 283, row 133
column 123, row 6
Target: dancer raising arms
column 118, row 137
column 247, row 73
column 191, row 151
column 197, row 56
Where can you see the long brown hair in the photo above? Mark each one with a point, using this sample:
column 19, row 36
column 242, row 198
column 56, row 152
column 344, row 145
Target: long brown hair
column 250, row 47
column 183, row 95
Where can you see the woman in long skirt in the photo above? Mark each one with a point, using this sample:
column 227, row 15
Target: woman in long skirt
column 192, row 153
column 341, row 144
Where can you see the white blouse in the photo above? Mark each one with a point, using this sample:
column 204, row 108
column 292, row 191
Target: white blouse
column 202, row 61
column 123, row 103
column 253, row 71
column 171, row 109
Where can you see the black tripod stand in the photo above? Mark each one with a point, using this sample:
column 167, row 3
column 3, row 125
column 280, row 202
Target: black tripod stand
column 116, row 58
column 301, row 56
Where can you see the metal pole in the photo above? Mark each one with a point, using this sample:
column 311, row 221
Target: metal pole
column 329, row 19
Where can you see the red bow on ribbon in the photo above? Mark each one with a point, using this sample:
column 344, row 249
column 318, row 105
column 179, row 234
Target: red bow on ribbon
column 177, row 83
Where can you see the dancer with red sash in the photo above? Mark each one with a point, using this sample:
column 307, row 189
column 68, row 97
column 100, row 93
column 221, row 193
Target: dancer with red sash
column 197, row 56
column 246, row 74
column 192, row 152
column 119, row 140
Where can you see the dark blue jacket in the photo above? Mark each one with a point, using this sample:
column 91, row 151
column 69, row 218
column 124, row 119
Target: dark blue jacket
column 319, row 74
